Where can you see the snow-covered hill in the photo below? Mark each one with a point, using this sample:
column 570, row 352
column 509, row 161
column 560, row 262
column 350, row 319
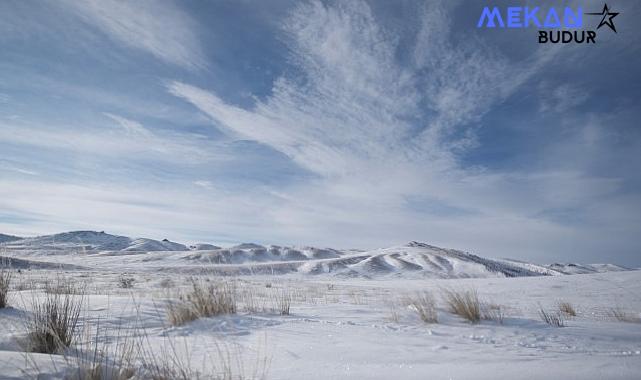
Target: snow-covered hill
column 412, row 260
column 91, row 241
column 147, row 245
column 250, row 252
column 203, row 247
column 586, row 268
column 6, row 238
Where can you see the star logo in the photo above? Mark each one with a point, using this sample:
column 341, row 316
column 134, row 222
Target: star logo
column 607, row 17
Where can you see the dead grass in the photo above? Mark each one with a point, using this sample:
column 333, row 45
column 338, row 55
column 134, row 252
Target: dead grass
column 102, row 361
column 621, row 315
column 492, row 312
column 255, row 299
column 64, row 285
column 394, row 315
column 202, row 301
column 552, row 318
column 5, row 283
column 425, row 306
column 53, row 323
column 567, row 308
column 464, row 304
column 284, row 301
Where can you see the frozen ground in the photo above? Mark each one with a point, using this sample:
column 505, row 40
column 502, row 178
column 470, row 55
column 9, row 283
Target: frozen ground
column 339, row 326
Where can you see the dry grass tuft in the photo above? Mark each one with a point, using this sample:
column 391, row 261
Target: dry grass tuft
column 623, row 316
column 53, row 324
column 464, row 304
column 394, row 315
column 425, row 306
column 102, row 361
column 284, row 301
column 492, row 312
column 64, row 285
column 567, row 308
column 552, row 318
column 202, row 301
column 5, row 282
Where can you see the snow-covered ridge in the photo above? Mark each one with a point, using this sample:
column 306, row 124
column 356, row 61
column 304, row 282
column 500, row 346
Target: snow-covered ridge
column 413, row 259
column 6, row 238
column 92, row 241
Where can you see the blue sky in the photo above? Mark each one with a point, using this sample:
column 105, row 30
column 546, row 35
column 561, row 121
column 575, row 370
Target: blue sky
column 343, row 124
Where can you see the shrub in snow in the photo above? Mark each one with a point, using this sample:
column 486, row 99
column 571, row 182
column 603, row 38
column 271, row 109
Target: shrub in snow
column 126, row 282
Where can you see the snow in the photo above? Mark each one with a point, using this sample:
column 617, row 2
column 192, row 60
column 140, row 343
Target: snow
column 6, row 238
column 83, row 241
column 203, row 247
column 348, row 317
column 147, row 245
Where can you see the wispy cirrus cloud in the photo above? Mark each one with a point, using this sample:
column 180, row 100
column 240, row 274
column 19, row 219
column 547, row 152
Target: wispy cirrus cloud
column 381, row 128
column 562, row 97
column 352, row 102
column 355, row 111
column 122, row 137
column 159, row 28
column 351, row 125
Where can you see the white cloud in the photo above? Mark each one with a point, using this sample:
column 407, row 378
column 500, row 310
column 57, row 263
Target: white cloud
column 204, row 184
column 561, row 98
column 350, row 117
column 12, row 168
column 159, row 28
column 126, row 137
column 380, row 129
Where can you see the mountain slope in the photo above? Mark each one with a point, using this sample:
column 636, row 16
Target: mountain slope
column 7, row 238
column 586, row 268
column 416, row 260
column 412, row 260
column 92, row 241
column 424, row 260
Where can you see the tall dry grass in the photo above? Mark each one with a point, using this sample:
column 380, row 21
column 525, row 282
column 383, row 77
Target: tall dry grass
column 424, row 305
column 622, row 315
column 201, row 301
column 567, row 308
column 53, row 324
column 492, row 312
column 465, row 304
column 98, row 360
column 283, row 301
column 5, row 283
column 552, row 318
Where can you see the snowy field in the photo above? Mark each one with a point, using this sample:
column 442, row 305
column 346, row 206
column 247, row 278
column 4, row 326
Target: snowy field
column 337, row 326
